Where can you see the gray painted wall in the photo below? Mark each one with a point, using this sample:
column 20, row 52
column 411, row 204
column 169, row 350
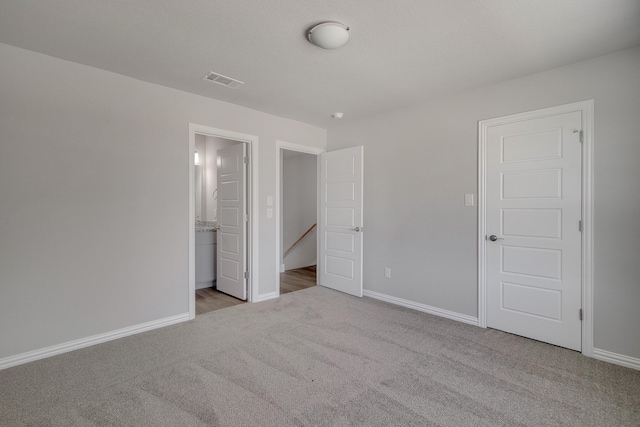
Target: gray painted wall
column 299, row 209
column 419, row 162
column 94, row 173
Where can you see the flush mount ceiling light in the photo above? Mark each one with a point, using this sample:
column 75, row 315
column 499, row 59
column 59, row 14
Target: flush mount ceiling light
column 329, row 35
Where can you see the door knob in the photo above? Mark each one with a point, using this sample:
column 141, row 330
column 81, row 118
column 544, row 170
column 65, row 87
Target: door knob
column 493, row 238
column 358, row 229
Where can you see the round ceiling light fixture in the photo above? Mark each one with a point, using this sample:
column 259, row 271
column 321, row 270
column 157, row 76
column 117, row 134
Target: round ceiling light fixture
column 329, row 35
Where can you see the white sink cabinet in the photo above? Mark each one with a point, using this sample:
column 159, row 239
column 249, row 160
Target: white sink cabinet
column 205, row 259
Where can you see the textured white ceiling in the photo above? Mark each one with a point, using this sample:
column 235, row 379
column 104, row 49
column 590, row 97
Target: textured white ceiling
column 401, row 52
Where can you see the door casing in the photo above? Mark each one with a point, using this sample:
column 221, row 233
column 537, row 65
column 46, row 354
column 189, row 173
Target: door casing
column 252, row 199
column 587, row 110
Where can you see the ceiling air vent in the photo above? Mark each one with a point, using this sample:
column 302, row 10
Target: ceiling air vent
column 222, row 80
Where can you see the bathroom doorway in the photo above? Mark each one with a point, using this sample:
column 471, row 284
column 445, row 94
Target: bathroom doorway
column 222, row 246
column 216, row 288
column 296, row 216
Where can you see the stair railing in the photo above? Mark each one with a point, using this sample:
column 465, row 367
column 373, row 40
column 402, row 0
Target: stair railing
column 299, row 240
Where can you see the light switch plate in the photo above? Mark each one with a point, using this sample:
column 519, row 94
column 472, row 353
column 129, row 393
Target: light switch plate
column 269, row 213
column 468, row 199
column 269, row 200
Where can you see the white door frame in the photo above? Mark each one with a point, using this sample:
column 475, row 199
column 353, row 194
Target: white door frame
column 586, row 109
column 283, row 145
column 252, row 200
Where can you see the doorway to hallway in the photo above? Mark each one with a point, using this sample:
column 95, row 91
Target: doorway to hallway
column 296, row 216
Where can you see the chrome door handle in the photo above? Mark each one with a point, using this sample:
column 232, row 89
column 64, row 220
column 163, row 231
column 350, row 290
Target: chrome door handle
column 358, row 229
column 493, row 238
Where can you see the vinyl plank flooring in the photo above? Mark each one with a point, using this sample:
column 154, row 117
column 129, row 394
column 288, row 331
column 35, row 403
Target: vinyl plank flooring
column 209, row 299
column 297, row 279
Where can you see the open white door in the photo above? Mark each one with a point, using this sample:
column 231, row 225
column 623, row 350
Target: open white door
column 232, row 224
column 341, row 222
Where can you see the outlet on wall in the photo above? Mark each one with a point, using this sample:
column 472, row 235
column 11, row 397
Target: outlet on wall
column 387, row 272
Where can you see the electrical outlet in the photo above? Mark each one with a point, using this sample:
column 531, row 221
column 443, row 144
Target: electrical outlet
column 387, row 272
column 269, row 213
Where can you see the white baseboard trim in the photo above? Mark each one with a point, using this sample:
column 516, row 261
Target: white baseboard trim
column 423, row 307
column 42, row 353
column 265, row 297
column 618, row 359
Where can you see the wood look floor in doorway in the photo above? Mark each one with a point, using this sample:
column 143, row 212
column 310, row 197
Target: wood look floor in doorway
column 209, row 299
column 297, row 279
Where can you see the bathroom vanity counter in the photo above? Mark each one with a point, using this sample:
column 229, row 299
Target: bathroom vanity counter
column 206, row 225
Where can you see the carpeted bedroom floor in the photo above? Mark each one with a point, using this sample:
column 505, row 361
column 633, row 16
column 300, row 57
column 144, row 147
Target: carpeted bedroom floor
column 317, row 357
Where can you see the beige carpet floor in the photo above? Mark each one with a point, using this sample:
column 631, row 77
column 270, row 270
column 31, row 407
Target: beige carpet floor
column 317, row 357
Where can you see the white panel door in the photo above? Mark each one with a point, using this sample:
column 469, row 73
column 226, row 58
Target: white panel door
column 533, row 246
column 232, row 224
column 341, row 224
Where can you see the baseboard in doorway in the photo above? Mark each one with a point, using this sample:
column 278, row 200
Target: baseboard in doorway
column 423, row 307
column 618, row 359
column 265, row 297
column 43, row 353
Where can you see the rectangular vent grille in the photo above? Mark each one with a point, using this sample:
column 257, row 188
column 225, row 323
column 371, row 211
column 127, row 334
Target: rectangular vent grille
column 222, row 80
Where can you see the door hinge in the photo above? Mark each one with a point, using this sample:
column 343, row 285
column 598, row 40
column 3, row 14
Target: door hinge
column 246, row 160
column 246, row 274
column 580, row 226
column 580, row 314
column 246, row 218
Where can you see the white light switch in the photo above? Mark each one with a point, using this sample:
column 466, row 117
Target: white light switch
column 269, row 213
column 387, row 272
column 269, row 200
column 468, row 199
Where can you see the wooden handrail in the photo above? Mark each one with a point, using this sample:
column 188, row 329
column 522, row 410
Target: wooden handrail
column 299, row 240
